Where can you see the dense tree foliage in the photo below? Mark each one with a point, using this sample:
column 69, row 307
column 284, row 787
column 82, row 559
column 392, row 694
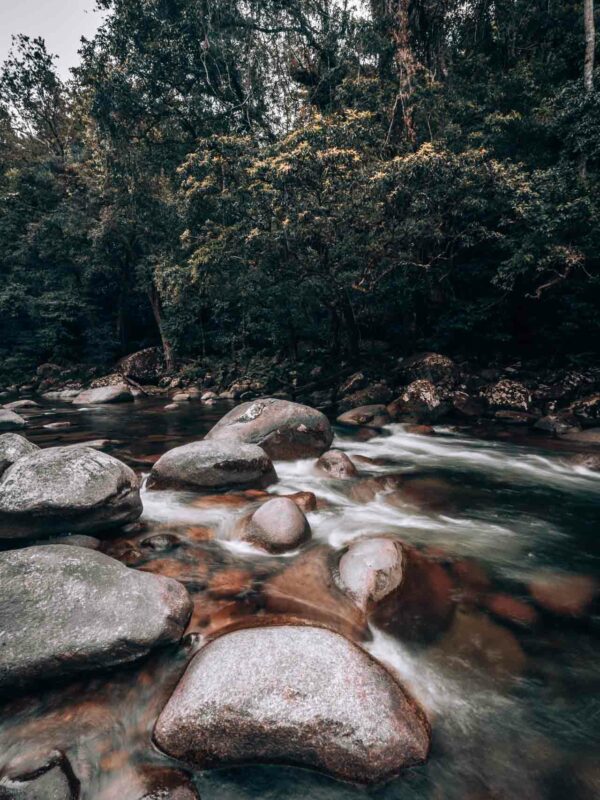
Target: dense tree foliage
column 301, row 178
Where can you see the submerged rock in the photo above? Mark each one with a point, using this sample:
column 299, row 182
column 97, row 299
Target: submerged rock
column 284, row 430
column 12, row 448
column 293, row 695
column 103, row 395
column 66, row 609
column 66, row 490
column 212, row 464
column 277, row 526
column 336, row 464
column 9, row 421
column 39, row 776
column 563, row 593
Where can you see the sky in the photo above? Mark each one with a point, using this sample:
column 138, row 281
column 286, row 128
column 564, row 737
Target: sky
column 61, row 23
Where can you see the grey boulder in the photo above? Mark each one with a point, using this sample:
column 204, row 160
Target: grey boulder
column 9, row 421
column 12, row 448
column 66, row 609
column 212, row 465
column 336, row 464
column 297, row 695
column 103, row 395
column 278, row 525
column 67, row 490
column 371, row 569
column 284, row 430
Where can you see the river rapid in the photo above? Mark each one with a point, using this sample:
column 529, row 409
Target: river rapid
column 512, row 696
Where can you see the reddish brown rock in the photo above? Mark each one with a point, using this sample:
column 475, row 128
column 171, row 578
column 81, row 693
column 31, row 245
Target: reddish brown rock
column 376, row 416
column 306, row 501
column 509, row 608
column 306, row 590
column 230, row 583
column 422, row 606
column 563, row 594
column 336, row 464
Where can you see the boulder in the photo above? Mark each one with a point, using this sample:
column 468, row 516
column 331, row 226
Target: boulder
column 376, row 394
column 103, row 395
column 305, row 588
column 507, row 395
column 587, row 460
column 284, row 430
column 12, row 448
column 277, row 526
column 336, row 464
column 464, row 405
column 181, row 397
column 213, row 465
column 68, row 609
column 61, row 394
column 66, row 490
column 9, row 421
column 420, row 402
column 587, row 410
column 434, row 367
column 39, row 775
column 422, row 606
column 589, row 436
column 557, row 424
column 295, row 695
column 145, row 366
column 16, row 405
column 370, row 569
column 376, row 416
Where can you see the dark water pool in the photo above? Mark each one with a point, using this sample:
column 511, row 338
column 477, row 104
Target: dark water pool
column 510, row 685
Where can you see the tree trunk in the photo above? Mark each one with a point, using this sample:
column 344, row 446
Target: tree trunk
column 590, row 45
column 167, row 347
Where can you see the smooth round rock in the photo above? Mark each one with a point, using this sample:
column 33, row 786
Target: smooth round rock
column 336, row 464
column 294, row 695
column 12, row 448
column 212, row 465
column 65, row 609
column 9, row 421
column 103, row 395
column 371, row 569
column 277, row 526
column 284, row 430
column 67, row 490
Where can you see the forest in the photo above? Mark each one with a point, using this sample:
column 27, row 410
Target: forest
column 309, row 181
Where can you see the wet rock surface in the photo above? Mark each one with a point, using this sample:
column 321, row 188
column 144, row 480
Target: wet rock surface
column 278, row 525
column 67, row 490
column 212, row 465
column 297, row 695
column 336, row 464
column 93, row 612
column 283, row 429
column 10, row 421
column 12, row 448
column 371, row 569
column 374, row 415
column 104, row 395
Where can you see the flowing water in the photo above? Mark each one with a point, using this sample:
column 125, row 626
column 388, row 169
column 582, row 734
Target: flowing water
column 512, row 697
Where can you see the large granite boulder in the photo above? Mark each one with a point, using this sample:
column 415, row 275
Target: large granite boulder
column 421, row 401
column 277, row 526
column 145, row 366
column 294, row 695
column 213, row 465
column 67, row 490
column 12, row 448
column 507, row 395
column 66, row 609
column 9, row 421
column 284, row 430
column 104, row 395
column 432, row 367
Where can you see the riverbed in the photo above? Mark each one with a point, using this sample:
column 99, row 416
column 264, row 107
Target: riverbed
column 512, row 696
